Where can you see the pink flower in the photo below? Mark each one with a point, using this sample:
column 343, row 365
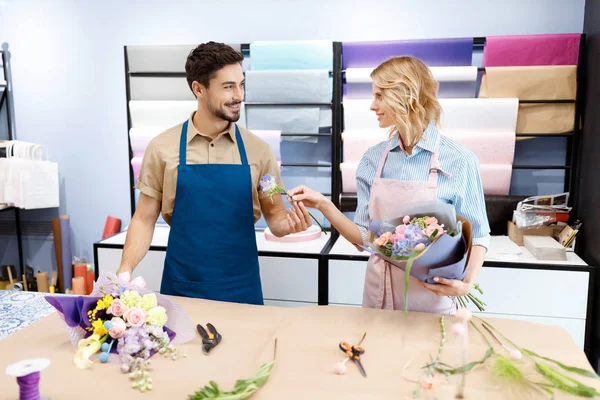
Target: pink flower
column 431, row 228
column 464, row 314
column 459, row 329
column 400, row 229
column 431, row 220
column 118, row 328
column 117, row 308
column 383, row 239
column 135, row 317
column 406, row 219
column 396, row 237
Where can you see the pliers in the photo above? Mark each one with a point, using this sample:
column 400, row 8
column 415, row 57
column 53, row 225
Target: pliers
column 210, row 338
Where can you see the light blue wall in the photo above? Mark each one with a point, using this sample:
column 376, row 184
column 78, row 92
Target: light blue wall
column 69, row 84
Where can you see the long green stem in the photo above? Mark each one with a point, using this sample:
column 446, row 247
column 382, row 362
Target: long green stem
column 482, row 335
column 309, row 213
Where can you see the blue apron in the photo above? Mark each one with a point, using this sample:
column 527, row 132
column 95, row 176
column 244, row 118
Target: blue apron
column 212, row 253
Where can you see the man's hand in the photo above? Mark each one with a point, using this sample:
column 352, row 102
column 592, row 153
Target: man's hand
column 284, row 222
column 448, row 287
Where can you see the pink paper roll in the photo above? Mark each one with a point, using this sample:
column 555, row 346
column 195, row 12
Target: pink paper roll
column 496, row 178
column 348, row 177
column 273, row 139
column 357, row 142
column 489, row 146
column 528, row 50
column 136, row 163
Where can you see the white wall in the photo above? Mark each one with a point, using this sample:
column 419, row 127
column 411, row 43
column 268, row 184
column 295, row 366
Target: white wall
column 68, row 67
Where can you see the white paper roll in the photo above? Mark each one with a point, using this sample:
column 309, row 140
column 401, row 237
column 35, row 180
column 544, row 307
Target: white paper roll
column 348, row 177
column 497, row 147
column 441, row 74
column 162, row 88
column 356, row 143
column 149, row 114
column 293, row 86
column 458, row 114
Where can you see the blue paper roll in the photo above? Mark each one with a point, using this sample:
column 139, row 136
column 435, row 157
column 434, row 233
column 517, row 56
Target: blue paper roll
column 289, row 86
column 289, row 119
column 289, row 55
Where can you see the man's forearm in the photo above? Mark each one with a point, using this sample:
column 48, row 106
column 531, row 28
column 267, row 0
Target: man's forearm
column 137, row 243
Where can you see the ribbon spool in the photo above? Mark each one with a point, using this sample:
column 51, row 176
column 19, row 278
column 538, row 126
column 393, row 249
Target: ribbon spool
column 27, row 373
column 15, row 286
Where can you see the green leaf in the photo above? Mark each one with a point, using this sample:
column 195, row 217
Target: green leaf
column 467, row 367
column 409, row 264
column 564, row 383
column 579, row 371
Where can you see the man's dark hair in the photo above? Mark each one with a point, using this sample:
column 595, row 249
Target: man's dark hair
column 205, row 60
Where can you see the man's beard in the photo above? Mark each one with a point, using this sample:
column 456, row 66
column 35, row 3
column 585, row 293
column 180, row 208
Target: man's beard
column 222, row 111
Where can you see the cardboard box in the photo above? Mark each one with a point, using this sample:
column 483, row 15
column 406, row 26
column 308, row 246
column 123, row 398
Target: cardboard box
column 516, row 234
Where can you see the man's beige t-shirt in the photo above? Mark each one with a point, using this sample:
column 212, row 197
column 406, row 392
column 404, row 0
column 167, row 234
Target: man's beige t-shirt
column 158, row 173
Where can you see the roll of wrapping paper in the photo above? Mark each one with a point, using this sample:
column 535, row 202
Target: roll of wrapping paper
column 289, row 86
column 78, row 285
column 42, row 282
column 152, row 114
column 454, row 82
column 67, row 259
column 535, row 83
column 159, row 88
column 433, row 52
column 528, row 50
column 90, row 279
column 141, row 137
column 348, row 176
column 136, row 164
column 291, row 55
column 356, row 143
column 289, row 119
column 495, row 178
column 58, row 252
column 490, row 147
column 273, row 139
column 80, row 271
column 111, row 227
column 457, row 114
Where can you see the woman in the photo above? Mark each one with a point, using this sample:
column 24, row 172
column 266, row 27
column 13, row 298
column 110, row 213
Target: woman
column 417, row 163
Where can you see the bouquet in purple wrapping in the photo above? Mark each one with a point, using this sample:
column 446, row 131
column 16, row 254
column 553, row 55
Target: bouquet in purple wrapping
column 428, row 240
column 123, row 322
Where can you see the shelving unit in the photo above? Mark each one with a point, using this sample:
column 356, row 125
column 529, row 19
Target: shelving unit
column 5, row 107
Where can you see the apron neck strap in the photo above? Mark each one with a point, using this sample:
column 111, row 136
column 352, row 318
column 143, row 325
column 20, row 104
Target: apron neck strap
column 433, row 167
column 183, row 144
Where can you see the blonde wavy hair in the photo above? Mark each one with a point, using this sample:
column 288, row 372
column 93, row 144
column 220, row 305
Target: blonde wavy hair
column 409, row 90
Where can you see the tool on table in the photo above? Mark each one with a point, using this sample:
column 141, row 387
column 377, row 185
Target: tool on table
column 354, row 353
column 210, row 338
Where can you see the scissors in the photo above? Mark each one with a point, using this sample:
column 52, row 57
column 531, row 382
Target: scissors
column 210, row 338
column 354, row 353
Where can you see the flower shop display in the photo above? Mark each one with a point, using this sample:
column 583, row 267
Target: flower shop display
column 122, row 322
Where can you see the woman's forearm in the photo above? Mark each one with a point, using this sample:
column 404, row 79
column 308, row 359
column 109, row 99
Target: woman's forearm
column 475, row 264
column 346, row 227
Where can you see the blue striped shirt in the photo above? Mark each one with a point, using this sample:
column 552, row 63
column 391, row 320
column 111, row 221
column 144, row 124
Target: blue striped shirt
column 462, row 188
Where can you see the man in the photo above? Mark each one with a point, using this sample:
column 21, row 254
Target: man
column 204, row 175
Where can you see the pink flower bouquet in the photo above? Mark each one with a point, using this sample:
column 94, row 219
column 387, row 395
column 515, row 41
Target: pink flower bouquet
column 125, row 323
column 428, row 241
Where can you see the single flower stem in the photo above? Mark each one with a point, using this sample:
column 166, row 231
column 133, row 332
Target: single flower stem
column 482, row 335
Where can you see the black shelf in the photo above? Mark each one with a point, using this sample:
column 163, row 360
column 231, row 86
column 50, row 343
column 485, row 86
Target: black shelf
column 563, row 134
column 274, row 103
column 157, row 74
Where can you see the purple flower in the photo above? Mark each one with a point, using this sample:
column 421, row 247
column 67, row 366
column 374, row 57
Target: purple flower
column 402, row 248
column 267, row 182
column 421, row 240
column 413, row 232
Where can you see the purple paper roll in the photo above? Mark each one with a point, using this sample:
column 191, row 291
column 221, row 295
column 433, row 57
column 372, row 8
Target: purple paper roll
column 448, row 90
column 433, row 52
column 67, row 261
column 530, row 50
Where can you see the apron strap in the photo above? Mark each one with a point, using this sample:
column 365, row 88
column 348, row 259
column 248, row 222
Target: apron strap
column 382, row 160
column 241, row 148
column 183, row 145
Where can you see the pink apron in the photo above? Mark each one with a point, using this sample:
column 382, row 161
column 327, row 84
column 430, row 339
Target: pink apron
column 384, row 283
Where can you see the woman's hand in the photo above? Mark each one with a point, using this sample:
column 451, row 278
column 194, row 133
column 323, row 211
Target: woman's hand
column 448, row 287
column 310, row 198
